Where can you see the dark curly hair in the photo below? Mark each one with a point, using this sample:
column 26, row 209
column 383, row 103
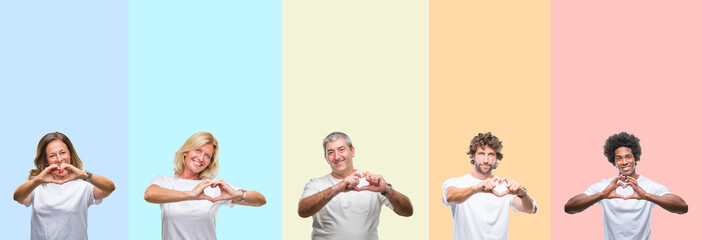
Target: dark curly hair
column 482, row 140
column 622, row 139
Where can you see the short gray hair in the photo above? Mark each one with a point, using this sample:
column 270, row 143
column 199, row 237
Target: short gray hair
column 333, row 137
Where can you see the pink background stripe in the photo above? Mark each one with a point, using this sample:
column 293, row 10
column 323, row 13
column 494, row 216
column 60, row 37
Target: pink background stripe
column 632, row 66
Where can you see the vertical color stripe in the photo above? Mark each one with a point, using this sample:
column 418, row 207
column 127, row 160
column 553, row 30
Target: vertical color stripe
column 625, row 66
column 206, row 66
column 360, row 68
column 63, row 67
column 489, row 70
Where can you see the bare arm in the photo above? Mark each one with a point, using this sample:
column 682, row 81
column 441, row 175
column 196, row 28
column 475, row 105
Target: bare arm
column 253, row 199
column 400, row 203
column 580, row 202
column 670, row 202
column 156, row 194
column 312, row 204
column 459, row 195
column 23, row 193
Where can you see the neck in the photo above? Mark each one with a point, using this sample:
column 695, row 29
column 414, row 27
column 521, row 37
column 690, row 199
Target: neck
column 344, row 175
column 482, row 176
column 190, row 175
column 634, row 175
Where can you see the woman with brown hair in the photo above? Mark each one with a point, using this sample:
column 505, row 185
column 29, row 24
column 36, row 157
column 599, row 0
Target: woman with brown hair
column 60, row 204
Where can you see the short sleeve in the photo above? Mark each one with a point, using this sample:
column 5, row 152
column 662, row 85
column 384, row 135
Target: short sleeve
column 310, row 189
column 660, row 190
column 447, row 183
column 160, row 181
column 594, row 188
column 30, row 200
column 385, row 201
column 89, row 188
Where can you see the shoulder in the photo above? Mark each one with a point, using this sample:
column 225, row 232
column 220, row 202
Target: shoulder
column 320, row 180
column 465, row 179
column 649, row 183
column 162, row 180
column 602, row 183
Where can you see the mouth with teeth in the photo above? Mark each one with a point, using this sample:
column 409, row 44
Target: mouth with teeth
column 197, row 163
column 625, row 169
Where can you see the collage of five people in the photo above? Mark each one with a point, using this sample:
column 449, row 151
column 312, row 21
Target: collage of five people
column 436, row 120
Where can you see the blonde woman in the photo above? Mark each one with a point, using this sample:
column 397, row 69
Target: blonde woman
column 190, row 198
column 60, row 204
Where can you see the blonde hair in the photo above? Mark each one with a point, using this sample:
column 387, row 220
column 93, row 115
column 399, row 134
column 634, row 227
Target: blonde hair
column 196, row 141
column 40, row 161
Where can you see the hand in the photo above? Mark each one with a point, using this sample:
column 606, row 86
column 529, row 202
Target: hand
column 610, row 191
column 513, row 187
column 639, row 193
column 349, row 183
column 488, row 185
column 46, row 176
column 227, row 191
column 73, row 172
column 198, row 193
column 376, row 183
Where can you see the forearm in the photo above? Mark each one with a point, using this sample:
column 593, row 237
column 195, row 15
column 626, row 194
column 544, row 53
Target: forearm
column 103, row 184
column 527, row 203
column 312, row 204
column 253, row 198
column 400, row 203
column 581, row 202
column 156, row 194
column 459, row 195
column 670, row 202
column 25, row 190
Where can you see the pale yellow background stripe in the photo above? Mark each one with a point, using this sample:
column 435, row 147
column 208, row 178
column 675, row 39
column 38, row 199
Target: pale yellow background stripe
column 360, row 67
column 490, row 72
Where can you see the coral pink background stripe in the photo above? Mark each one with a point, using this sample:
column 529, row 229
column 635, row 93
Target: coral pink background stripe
column 632, row 66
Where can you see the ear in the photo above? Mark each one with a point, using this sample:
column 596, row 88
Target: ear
column 353, row 152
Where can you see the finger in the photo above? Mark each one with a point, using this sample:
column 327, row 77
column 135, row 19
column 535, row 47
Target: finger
column 616, row 195
column 364, row 188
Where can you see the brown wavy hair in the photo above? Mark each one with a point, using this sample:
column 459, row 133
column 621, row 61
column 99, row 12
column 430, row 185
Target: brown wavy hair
column 482, row 140
column 40, row 161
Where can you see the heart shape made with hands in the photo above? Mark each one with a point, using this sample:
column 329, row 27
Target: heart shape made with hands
column 362, row 182
column 500, row 189
column 212, row 192
column 625, row 189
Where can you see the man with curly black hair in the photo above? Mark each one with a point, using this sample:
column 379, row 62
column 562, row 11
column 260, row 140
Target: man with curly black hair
column 628, row 199
column 480, row 201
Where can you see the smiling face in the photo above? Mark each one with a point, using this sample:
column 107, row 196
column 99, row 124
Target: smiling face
column 57, row 153
column 625, row 161
column 197, row 160
column 485, row 160
column 340, row 157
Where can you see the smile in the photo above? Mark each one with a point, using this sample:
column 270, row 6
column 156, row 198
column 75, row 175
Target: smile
column 198, row 163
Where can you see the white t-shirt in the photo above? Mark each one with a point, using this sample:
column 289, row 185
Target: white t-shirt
column 349, row 215
column 61, row 211
column 482, row 215
column 192, row 219
column 627, row 219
